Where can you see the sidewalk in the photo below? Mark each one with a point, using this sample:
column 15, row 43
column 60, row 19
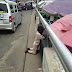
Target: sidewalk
column 32, row 62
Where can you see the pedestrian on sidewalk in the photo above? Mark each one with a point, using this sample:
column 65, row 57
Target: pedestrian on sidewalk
column 36, row 43
column 31, row 8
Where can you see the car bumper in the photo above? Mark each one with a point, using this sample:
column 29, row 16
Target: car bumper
column 6, row 26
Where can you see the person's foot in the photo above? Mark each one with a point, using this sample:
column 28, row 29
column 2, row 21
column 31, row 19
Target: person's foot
column 27, row 50
column 31, row 49
column 31, row 52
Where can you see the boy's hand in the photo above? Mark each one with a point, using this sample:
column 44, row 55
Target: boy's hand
column 43, row 38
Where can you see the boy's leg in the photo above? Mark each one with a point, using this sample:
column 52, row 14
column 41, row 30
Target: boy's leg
column 31, row 11
column 34, row 49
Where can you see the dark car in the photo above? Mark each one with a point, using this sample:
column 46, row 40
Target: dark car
column 21, row 5
column 27, row 6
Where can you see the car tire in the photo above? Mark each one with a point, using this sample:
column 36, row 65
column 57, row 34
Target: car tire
column 14, row 29
column 20, row 21
column 26, row 9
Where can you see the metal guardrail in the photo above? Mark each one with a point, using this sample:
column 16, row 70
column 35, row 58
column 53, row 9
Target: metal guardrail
column 63, row 53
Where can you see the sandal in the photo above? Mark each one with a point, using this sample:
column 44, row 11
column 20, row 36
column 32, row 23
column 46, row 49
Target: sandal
column 32, row 52
column 27, row 50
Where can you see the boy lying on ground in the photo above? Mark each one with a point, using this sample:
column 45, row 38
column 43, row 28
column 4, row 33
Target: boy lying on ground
column 36, row 43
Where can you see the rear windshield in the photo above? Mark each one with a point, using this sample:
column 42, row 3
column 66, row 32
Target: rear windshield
column 3, row 8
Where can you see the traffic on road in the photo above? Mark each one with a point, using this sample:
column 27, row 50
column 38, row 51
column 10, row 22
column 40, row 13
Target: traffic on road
column 11, row 14
column 14, row 29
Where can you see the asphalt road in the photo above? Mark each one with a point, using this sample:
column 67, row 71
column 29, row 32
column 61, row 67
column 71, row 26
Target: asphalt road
column 13, row 45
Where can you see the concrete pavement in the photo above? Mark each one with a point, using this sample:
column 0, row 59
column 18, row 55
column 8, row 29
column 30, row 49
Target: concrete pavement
column 13, row 46
column 32, row 62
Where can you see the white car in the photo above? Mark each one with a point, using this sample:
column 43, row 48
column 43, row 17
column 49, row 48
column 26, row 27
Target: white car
column 10, row 16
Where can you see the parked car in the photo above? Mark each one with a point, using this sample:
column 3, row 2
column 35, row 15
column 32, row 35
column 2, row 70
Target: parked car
column 33, row 3
column 21, row 5
column 10, row 16
column 27, row 6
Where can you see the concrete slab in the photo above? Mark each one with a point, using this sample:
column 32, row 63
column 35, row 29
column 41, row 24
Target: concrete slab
column 51, row 62
column 32, row 62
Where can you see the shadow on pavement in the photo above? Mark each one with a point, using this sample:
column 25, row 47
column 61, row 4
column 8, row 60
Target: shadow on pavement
column 5, row 32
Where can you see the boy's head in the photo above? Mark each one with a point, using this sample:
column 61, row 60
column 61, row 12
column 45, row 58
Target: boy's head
column 40, row 29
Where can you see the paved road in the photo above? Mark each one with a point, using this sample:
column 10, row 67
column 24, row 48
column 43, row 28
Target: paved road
column 13, row 45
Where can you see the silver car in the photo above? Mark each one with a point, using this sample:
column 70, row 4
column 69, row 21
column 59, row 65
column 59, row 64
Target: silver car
column 10, row 16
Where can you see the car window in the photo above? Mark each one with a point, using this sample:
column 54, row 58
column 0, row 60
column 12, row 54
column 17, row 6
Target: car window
column 22, row 3
column 19, row 9
column 15, row 8
column 3, row 7
column 11, row 7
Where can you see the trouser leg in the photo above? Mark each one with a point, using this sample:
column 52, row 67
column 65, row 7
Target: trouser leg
column 35, row 46
column 34, row 49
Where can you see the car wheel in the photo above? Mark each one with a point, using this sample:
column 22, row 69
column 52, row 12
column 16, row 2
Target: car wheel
column 14, row 28
column 26, row 9
column 20, row 21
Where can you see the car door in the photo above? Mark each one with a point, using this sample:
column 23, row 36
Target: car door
column 16, row 14
column 12, row 14
column 20, row 15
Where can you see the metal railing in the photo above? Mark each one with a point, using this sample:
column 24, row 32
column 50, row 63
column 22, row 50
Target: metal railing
column 63, row 53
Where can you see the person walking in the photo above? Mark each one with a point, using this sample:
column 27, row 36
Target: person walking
column 31, row 8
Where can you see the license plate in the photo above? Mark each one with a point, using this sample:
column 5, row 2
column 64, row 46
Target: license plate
column 1, row 11
column 1, row 15
column 1, row 21
column 5, row 21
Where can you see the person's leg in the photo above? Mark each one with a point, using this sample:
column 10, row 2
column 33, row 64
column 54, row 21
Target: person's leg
column 31, row 11
column 34, row 49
